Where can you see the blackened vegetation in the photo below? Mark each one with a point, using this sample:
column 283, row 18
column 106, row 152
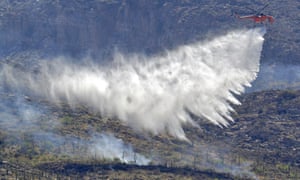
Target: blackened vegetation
column 81, row 169
column 261, row 133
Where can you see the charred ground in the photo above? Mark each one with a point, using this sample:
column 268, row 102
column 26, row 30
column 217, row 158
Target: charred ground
column 264, row 138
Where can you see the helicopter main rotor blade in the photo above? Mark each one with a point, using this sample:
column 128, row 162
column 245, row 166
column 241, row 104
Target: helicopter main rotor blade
column 253, row 10
column 258, row 12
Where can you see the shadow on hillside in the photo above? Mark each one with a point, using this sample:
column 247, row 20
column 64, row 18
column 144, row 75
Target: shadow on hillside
column 80, row 168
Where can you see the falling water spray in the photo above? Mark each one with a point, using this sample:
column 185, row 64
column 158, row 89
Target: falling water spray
column 159, row 93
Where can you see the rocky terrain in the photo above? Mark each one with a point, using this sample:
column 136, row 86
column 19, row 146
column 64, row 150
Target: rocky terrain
column 262, row 143
column 99, row 28
column 95, row 27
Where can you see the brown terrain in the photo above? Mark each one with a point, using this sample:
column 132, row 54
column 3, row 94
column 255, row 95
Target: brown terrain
column 262, row 143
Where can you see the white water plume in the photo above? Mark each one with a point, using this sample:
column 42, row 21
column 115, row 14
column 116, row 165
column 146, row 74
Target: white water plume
column 158, row 93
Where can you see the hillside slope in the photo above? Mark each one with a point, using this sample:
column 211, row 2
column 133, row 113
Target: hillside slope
column 262, row 142
column 97, row 27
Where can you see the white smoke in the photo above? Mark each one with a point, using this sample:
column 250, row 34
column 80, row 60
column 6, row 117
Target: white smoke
column 98, row 146
column 157, row 93
column 277, row 76
column 18, row 116
column 109, row 147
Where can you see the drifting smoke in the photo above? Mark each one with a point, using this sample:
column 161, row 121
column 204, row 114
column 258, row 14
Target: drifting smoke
column 277, row 76
column 18, row 116
column 107, row 146
column 221, row 160
column 99, row 146
column 158, row 93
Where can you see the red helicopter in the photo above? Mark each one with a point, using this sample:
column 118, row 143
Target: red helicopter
column 258, row 17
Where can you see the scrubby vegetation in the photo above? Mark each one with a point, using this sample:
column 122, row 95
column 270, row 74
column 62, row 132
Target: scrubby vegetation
column 262, row 143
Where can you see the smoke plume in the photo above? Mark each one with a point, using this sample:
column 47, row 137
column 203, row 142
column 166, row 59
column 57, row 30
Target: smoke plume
column 159, row 93
column 97, row 147
column 107, row 146
column 277, row 76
